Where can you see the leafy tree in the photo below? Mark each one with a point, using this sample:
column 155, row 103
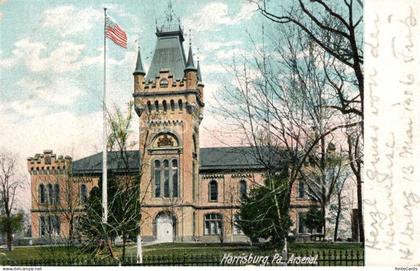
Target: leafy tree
column 259, row 215
column 123, row 215
column 314, row 219
column 12, row 223
column 123, row 193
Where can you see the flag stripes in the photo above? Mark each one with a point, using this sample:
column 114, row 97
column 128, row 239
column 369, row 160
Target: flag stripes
column 115, row 33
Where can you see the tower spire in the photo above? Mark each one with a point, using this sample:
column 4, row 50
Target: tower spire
column 190, row 60
column 139, row 64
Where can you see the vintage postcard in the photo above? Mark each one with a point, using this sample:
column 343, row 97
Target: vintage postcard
column 209, row 133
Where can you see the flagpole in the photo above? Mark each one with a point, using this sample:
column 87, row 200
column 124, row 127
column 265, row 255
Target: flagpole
column 104, row 140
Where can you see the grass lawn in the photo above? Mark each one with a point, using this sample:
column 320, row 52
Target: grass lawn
column 45, row 252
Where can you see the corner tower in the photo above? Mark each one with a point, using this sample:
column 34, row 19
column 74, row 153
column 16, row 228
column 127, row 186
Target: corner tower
column 169, row 102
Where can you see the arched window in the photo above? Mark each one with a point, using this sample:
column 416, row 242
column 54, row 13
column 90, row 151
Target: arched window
column 156, row 105
column 301, row 189
column 213, row 190
column 166, row 172
column 172, row 105
column 165, row 106
column 213, row 224
column 149, row 106
column 242, row 189
column 180, row 104
column 83, row 194
column 166, row 178
column 174, row 172
column 157, row 176
column 41, row 191
column 50, row 194
column 57, row 194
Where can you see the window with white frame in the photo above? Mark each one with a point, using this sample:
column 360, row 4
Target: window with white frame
column 213, row 224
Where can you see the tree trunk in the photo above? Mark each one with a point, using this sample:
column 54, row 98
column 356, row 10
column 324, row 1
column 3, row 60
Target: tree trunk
column 359, row 209
column 124, row 243
column 109, row 246
column 9, row 238
column 139, row 249
column 324, row 226
column 71, row 230
column 337, row 218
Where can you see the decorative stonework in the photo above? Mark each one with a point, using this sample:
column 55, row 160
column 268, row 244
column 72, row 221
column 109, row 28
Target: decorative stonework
column 165, row 141
column 157, row 123
column 213, row 176
column 244, row 175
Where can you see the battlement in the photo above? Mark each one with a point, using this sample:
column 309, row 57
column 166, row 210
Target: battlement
column 48, row 163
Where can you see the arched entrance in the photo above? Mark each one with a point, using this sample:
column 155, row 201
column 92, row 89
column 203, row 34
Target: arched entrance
column 165, row 228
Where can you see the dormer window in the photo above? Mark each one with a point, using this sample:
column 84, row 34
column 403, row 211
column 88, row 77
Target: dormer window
column 164, row 83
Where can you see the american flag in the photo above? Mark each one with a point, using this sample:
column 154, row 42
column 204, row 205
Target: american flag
column 115, row 32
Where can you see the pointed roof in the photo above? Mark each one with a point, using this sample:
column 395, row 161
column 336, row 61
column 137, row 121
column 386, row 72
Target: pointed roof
column 139, row 65
column 169, row 53
column 190, row 61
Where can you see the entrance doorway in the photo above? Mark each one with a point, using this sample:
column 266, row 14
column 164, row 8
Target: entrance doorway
column 165, row 228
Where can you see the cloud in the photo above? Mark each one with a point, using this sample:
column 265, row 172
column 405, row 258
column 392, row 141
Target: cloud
column 68, row 20
column 6, row 63
column 67, row 56
column 213, row 68
column 216, row 45
column 217, row 14
column 228, row 54
column 53, row 90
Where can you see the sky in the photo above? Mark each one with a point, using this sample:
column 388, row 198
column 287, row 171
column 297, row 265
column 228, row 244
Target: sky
column 51, row 66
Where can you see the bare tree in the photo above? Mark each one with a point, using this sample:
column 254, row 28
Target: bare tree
column 325, row 179
column 10, row 182
column 285, row 98
column 337, row 28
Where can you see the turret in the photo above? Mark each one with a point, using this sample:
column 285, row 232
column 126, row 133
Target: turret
column 190, row 71
column 200, row 84
column 139, row 74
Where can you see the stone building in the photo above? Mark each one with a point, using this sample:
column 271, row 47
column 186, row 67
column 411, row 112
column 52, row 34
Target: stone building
column 188, row 193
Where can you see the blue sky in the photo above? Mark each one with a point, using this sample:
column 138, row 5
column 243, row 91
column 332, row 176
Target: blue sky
column 51, row 64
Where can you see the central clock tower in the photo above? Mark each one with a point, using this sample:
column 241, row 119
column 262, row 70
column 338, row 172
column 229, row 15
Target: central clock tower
column 169, row 103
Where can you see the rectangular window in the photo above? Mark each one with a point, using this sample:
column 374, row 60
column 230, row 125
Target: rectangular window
column 157, row 183
column 236, row 229
column 175, row 182
column 207, row 228
column 213, row 224
column 193, row 224
column 213, row 193
column 42, row 226
column 301, row 189
column 301, row 224
column 166, row 183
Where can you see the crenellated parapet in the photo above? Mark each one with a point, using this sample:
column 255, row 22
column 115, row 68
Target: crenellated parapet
column 48, row 163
